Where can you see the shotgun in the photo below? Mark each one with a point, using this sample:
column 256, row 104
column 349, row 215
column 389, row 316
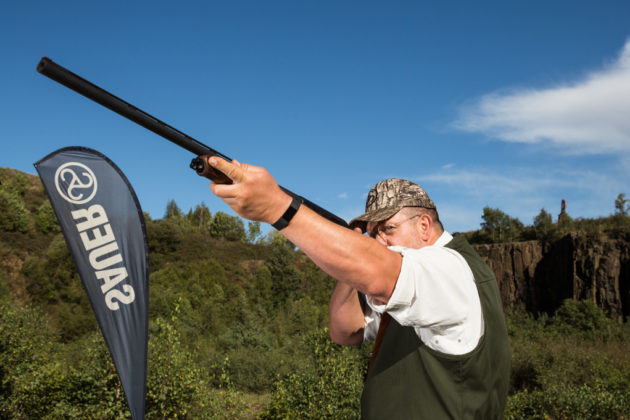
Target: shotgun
column 200, row 163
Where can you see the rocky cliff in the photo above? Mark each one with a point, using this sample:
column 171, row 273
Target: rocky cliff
column 538, row 276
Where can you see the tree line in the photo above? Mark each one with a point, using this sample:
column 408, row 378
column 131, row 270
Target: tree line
column 22, row 212
column 498, row 226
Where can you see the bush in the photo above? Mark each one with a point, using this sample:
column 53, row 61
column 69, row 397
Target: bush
column 45, row 219
column 584, row 318
column 569, row 402
column 85, row 386
column 25, row 349
column 329, row 386
column 13, row 182
column 285, row 276
column 54, row 282
column 14, row 217
column 173, row 379
column 227, row 227
column 566, row 367
column 164, row 236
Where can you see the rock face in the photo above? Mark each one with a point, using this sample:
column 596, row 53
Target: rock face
column 538, row 276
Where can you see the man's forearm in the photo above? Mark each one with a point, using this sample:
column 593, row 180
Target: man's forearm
column 346, row 316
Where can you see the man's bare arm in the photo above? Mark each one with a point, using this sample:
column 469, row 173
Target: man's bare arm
column 346, row 316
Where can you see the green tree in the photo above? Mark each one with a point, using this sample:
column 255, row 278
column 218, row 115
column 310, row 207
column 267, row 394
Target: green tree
column 544, row 226
column 621, row 205
column 499, row 226
column 173, row 378
column 253, row 232
column 544, row 220
column 228, row 227
column 45, row 219
column 262, row 293
column 200, row 218
column 13, row 182
column 164, row 237
column 173, row 211
column 13, row 213
column 565, row 223
column 284, row 274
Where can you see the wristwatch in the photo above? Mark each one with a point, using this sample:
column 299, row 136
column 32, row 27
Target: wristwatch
column 284, row 220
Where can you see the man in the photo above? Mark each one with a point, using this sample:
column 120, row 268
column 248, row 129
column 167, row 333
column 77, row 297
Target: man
column 433, row 306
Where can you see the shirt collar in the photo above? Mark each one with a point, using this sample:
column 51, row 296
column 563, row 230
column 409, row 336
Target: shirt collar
column 444, row 238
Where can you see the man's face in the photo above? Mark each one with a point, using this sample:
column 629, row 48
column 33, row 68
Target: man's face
column 401, row 229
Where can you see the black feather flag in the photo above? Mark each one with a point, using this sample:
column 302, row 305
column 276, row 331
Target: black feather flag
column 103, row 225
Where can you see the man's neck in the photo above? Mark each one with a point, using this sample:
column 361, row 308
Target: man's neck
column 435, row 235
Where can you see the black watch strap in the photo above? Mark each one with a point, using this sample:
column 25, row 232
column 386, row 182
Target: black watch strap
column 283, row 221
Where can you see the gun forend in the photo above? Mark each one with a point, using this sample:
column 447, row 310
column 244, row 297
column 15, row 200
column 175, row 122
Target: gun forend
column 201, row 166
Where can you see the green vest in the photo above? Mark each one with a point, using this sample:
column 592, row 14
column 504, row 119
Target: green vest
column 408, row 380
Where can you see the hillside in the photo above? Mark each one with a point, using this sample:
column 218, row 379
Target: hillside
column 184, row 255
column 238, row 323
column 534, row 274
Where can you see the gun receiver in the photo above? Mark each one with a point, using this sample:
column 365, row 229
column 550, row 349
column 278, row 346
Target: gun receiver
column 200, row 164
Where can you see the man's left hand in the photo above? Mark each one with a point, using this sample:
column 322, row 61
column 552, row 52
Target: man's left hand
column 254, row 194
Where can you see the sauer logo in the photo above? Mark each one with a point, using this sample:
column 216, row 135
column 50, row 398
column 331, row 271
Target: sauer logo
column 75, row 182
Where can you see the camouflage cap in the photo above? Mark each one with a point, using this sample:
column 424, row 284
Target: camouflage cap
column 388, row 197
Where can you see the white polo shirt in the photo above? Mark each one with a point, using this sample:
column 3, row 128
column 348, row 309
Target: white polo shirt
column 436, row 294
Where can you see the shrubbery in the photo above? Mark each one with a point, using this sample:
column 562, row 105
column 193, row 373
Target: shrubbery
column 238, row 330
column 573, row 365
column 14, row 217
column 45, row 220
column 557, row 372
column 583, row 402
column 327, row 385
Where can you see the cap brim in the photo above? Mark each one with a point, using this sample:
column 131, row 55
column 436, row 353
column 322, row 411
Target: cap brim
column 373, row 216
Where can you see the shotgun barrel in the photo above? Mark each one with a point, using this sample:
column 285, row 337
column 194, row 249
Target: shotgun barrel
column 60, row 74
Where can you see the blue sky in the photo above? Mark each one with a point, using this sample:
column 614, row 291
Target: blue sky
column 513, row 105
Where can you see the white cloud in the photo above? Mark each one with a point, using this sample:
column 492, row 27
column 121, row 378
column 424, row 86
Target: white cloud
column 586, row 116
column 342, row 196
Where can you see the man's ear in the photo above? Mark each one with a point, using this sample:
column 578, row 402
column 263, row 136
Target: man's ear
column 425, row 226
